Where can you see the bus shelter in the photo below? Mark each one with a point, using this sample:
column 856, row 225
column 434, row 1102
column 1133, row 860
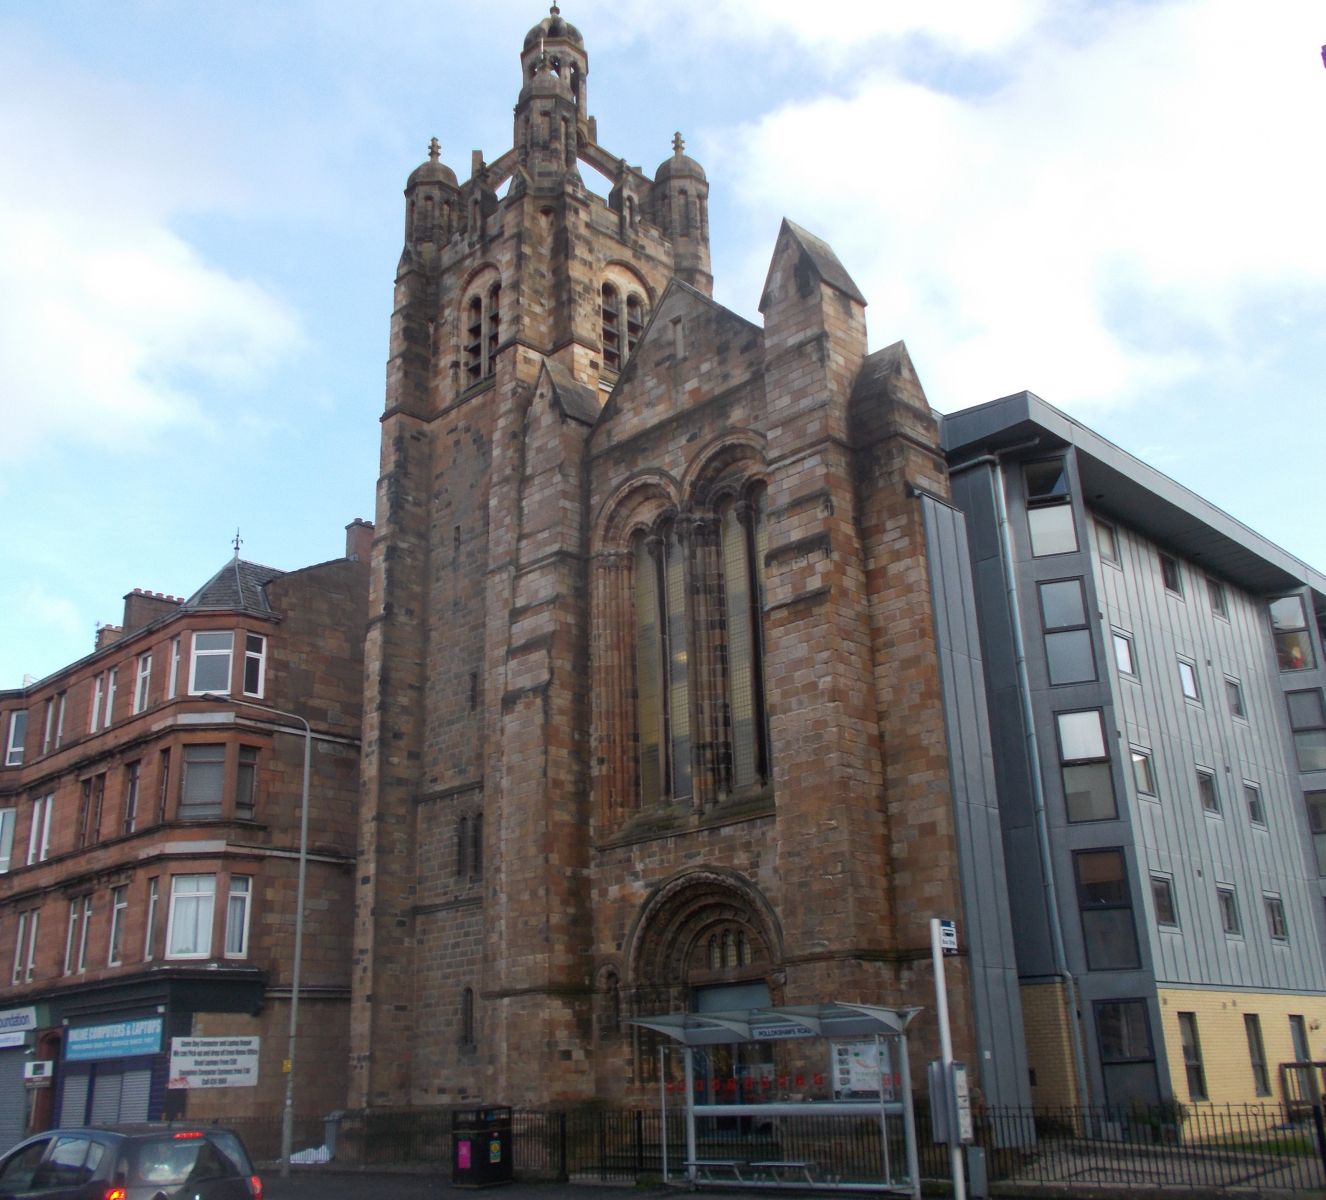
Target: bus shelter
column 803, row 1122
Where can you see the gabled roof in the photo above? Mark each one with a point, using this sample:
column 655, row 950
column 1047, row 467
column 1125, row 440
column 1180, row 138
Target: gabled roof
column 238, row 585
column 577, row 400
column 818, row 256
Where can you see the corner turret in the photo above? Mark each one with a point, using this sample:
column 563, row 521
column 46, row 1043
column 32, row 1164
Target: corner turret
column 679, row 204
column 432, row 205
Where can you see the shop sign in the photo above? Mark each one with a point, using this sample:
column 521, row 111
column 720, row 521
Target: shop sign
column 15, row 1025
column 777, row 1033
column 119, row 1039
column 212, row 1062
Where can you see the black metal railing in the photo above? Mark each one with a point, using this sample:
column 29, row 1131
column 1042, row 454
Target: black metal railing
column 1267, row 1147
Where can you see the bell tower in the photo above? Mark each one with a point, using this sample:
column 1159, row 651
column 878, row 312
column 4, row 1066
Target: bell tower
column 514, row 317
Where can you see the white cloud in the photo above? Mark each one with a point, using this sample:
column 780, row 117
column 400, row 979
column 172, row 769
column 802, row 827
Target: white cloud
column 1162, row 168
column 109, row 319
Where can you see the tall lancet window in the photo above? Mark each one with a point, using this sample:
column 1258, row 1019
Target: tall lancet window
column 662, row 656
column 742, row 531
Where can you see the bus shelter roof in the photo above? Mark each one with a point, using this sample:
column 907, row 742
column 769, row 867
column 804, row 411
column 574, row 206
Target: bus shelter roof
column 830, row 1020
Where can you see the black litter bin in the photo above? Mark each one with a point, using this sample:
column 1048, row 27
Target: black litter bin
column 481, row 1146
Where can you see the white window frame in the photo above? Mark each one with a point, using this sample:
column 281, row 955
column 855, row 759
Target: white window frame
column 48, row 725
column 174, row 684
column 143, row 681
column 18, row 729
column 119, row 906
column 1188, row 680
column 196, row 655
column 239, row 904
column 19, row 937
column 260, row 656
column 8, row 823
column 180, row 899
column 34, row 917
column 71, row 934
column 39, row 836
column 112, row 678
column 59, row 721
column 82, row 933
column 153, row 896
column 98, row 687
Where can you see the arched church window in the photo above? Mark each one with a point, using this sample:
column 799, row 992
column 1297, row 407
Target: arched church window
column 474, row 340
column 715, row 953
column 662, row 668
column 481, row 334
column 729, row 948
column 612, row 333
column 743, row 536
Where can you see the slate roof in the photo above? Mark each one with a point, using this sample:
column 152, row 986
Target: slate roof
column 577, row 400
column 238, row 585
column 824, row 260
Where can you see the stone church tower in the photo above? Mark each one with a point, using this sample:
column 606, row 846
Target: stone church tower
column 652, row 709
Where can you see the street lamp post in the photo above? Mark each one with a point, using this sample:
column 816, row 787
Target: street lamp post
column 288, row 1115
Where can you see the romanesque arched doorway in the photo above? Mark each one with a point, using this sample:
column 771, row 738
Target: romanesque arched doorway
column 705, row 941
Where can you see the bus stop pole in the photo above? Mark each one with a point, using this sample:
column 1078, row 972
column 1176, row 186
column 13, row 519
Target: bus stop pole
column 690, row 1113
column 946, row 1056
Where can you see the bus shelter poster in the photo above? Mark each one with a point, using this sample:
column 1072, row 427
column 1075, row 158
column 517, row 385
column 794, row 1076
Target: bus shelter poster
column 859, row 1067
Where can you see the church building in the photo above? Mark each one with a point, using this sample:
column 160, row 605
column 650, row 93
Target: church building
column 659, row 713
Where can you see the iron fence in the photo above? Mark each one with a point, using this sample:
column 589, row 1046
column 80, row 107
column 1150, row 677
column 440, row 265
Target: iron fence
column 1259, row 1146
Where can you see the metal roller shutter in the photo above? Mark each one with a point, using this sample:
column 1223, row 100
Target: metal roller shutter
column 13, row 1098
column 106, row 1098
column 73, row 1100
column 134, row 1094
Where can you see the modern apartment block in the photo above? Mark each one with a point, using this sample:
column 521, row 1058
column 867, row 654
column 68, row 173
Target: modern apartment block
column 149, row 838
column 1155, row 675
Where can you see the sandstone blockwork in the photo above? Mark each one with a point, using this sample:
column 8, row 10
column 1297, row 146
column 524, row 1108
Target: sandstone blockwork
column 652, row 712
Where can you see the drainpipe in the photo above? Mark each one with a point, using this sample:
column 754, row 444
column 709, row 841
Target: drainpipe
column 1050, row 891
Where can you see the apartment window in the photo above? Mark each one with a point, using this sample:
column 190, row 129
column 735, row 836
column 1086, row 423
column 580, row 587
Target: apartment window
column 1085, row 767
column 237, row 916
column 1162, row 895
column 1143, row 776
column 1192, row 1056
column 1049, row 508
column 71, row 934
column 98, row 691
column 1261, row 1077
column 1252, row 796
column 1293, row 642
column 59, row 719
column 1298, row 1037
column 48, row 726
column 89, row 810
column 1316, row 802
column 142, row 682
column 1230, row 921
column 8, row 823
column 1234, row 698
column 1215, row 591
column 132, row 773
column 255, row 664
column 39, row 833
column 1188, row 680
column 163, row 784
column 1307, row 718
column 189, row 925
column 112, row 680
column 1275, row 918
column 1107, row 542
column 1106, row 910
column 1126, row 1054
column 211, row 662
column 18, row 729
column 1206, row 792
column 246, row 778
column 1068, row 652
column 1170, row 574
column 173, row 684
column 203, row 785
column 150, row 933
column 119, row 907
column 1123, row 653
column 25, row 946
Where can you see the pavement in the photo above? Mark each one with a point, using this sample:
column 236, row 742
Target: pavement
column 330, row 1183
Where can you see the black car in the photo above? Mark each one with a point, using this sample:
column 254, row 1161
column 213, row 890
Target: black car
column 182, row 1162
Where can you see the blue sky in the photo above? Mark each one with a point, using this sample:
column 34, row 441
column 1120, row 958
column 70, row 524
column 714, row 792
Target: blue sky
column 1114, row 204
